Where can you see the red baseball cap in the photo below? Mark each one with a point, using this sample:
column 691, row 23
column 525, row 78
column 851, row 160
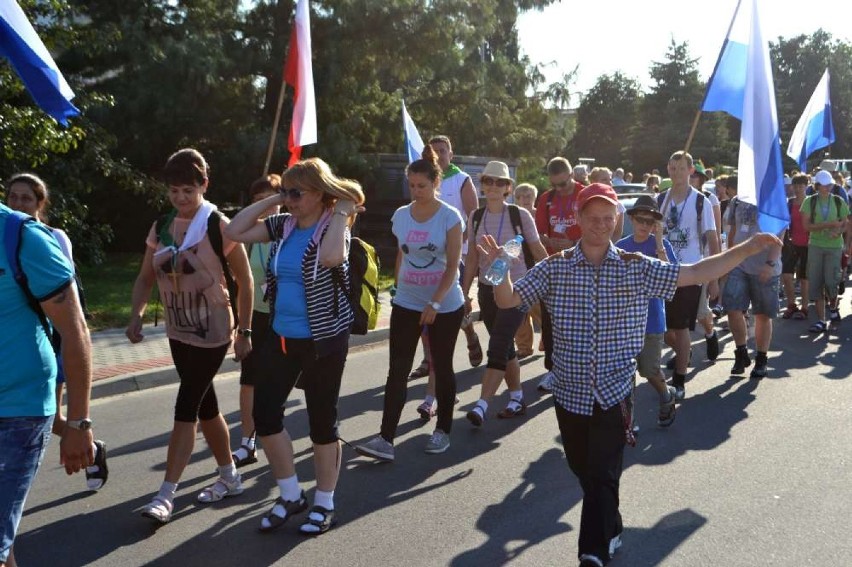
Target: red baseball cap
column 596, row 191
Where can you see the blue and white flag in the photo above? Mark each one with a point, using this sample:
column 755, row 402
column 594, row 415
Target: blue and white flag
column 742, row 86
column 413, row 141
column 814, row 129
column 20, row 43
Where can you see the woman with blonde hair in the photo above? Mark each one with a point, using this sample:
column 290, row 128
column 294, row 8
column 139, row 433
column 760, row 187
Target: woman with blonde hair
column 310, row 318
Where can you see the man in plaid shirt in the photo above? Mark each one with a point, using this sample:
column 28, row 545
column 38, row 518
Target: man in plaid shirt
column 598, row 298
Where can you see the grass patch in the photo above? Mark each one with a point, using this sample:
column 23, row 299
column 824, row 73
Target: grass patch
column 108, row 289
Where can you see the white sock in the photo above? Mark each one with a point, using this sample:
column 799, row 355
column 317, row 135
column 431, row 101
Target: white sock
column 483, row 405
column 429, row 400
column 228, row 472
column 289, row 488
column 516, row 395
column 249, row 442
column 324, row 499
column 167, row 491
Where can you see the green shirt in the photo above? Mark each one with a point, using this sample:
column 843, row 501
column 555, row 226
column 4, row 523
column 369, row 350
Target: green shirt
column 825, row 210
column 258, row 257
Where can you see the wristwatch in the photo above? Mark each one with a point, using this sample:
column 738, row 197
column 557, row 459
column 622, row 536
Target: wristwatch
column 435, row 305
column 80, row 424
column 244, row 333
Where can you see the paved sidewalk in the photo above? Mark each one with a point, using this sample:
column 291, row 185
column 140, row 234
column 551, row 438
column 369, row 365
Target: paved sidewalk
column 120, row 367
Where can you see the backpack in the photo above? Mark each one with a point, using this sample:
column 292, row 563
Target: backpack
column 515, row 219
column 363, row 293
column 214, row 234
column 699, row 212
column 838, row 202
column 12, row 242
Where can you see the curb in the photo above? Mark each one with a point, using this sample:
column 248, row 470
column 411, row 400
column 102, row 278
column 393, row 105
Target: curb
column 138, row 381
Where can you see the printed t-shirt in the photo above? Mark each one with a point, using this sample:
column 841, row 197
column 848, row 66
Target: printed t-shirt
column 743, row 217
column 656, row 306
column 681, row 226
column 258, row 259
column 192, row 288
column 424, row 258
column 291, row 305
column 825, row 211
column 27, row 360
column 559, row 218
column 500, row 227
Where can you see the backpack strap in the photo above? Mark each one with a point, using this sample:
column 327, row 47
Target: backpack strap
column 477, row 219
column 518, row 227
column 214, row 234
column 12, row 240
column 838, row 202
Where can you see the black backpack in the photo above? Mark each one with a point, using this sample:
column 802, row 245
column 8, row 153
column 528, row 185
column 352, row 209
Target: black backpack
column 838, row 202
column 363, row 290
column 517, row 226
column 214, row 234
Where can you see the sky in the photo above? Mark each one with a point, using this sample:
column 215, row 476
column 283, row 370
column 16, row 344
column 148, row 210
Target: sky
column 628, row 35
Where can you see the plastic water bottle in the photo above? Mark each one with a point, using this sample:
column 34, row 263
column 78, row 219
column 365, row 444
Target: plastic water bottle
column 511, row 250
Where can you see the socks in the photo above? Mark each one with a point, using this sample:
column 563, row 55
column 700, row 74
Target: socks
column 429, row 400
column 228, row 472
column 482, row 405
column 289, row 488
column 241, row 453
column 710, row 336
column 324, row 499
column 516, row 395
column 167, row 491
column 249, row 442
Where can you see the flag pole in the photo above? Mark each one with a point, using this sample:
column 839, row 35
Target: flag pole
column 274, row 133
column 692, row 131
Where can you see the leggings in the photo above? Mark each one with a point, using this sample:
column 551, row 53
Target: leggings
column 320, row 378
column 404, row 334
column 196, row 366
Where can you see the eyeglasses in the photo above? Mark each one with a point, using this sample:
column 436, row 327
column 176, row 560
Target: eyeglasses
column 292, row 194
column 560, row 185
column 492, row 181
column 647, row 221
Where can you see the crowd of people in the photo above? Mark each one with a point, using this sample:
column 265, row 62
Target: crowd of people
column 267, row 284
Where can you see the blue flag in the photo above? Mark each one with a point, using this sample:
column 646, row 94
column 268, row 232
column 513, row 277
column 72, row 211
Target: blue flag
column 20, row 43
column 413, row 142
column 742, row 86
column 814, row 129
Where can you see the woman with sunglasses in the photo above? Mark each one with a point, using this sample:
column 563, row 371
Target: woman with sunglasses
column 258, row 254
column 496, row 219
column 310, row 317
column 180, row 257
column 428, row 295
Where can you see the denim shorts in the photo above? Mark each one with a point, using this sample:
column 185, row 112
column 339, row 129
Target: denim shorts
column 742, row 289
column 22, row 444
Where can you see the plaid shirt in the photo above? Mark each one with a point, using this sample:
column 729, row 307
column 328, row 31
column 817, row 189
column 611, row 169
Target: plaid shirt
column 599, row 316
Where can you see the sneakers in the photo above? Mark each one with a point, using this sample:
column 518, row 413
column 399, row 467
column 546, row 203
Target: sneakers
column 426, row 411
column 546, row 383
column 666, row 416
column 759, row 370
column 476, row 416
column 712, row 346
column 378, row 448
column 438, row 442
column 614, row 544
column 159, row 510
column 222, row 488
column 741, row 361
column 678, row 384
column 98, row 473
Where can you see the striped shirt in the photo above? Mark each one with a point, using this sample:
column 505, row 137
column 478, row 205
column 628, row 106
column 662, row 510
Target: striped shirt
column 599, row 315
column 329, row 312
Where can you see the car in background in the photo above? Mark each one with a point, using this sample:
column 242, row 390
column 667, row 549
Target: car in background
column 629, row 188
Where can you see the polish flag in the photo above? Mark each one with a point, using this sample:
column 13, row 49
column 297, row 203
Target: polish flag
column 299, row 74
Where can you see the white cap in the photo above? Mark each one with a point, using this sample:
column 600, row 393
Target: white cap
column 823, row 178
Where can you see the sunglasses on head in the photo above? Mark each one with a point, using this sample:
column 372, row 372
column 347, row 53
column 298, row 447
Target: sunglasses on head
column 493, row 181
column 292, row 194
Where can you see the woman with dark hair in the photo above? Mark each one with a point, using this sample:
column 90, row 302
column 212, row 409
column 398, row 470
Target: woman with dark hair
column 311, row 319
column 429, row 233
column 189, row 270
column 258, row 254
column 27, row 193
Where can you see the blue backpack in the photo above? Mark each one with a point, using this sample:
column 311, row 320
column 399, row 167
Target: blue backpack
column 15, row 222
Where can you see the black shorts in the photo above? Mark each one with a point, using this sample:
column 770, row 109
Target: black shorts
column 682, row 310
column 260, row 329
column 794, row 260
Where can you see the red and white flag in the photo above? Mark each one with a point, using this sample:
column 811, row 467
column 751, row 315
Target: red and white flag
column 299, row 74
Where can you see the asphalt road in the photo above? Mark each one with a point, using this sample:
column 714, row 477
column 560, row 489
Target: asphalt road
column 751, row 473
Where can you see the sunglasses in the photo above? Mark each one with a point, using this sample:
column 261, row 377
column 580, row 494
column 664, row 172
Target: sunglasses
column 492, row 181
column 292, row 194
column 647, row 221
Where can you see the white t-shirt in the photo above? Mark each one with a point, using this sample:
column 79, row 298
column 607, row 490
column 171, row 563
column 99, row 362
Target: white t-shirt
column 681, row 226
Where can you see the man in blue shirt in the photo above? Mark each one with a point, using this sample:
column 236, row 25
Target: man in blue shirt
column 598, row 299
column 28, row 372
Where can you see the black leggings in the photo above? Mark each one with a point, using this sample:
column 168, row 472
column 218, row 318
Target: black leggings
column 259, row 330
column 320, row 378
column 502, row 324
column 196, row 367
column 405, row 332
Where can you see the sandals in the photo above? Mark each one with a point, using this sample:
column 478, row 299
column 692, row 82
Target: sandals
column 221, row 489
column 818, row 327
column 790, row 311
column 291, row 507
column 159, row 510
column 421, row 371
column 426, row 411
column 250, row 458
column 474, row 350
column 801, row 314
column 320, row 520
column 476, row 416
column 515, row 408
column 98, row 473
